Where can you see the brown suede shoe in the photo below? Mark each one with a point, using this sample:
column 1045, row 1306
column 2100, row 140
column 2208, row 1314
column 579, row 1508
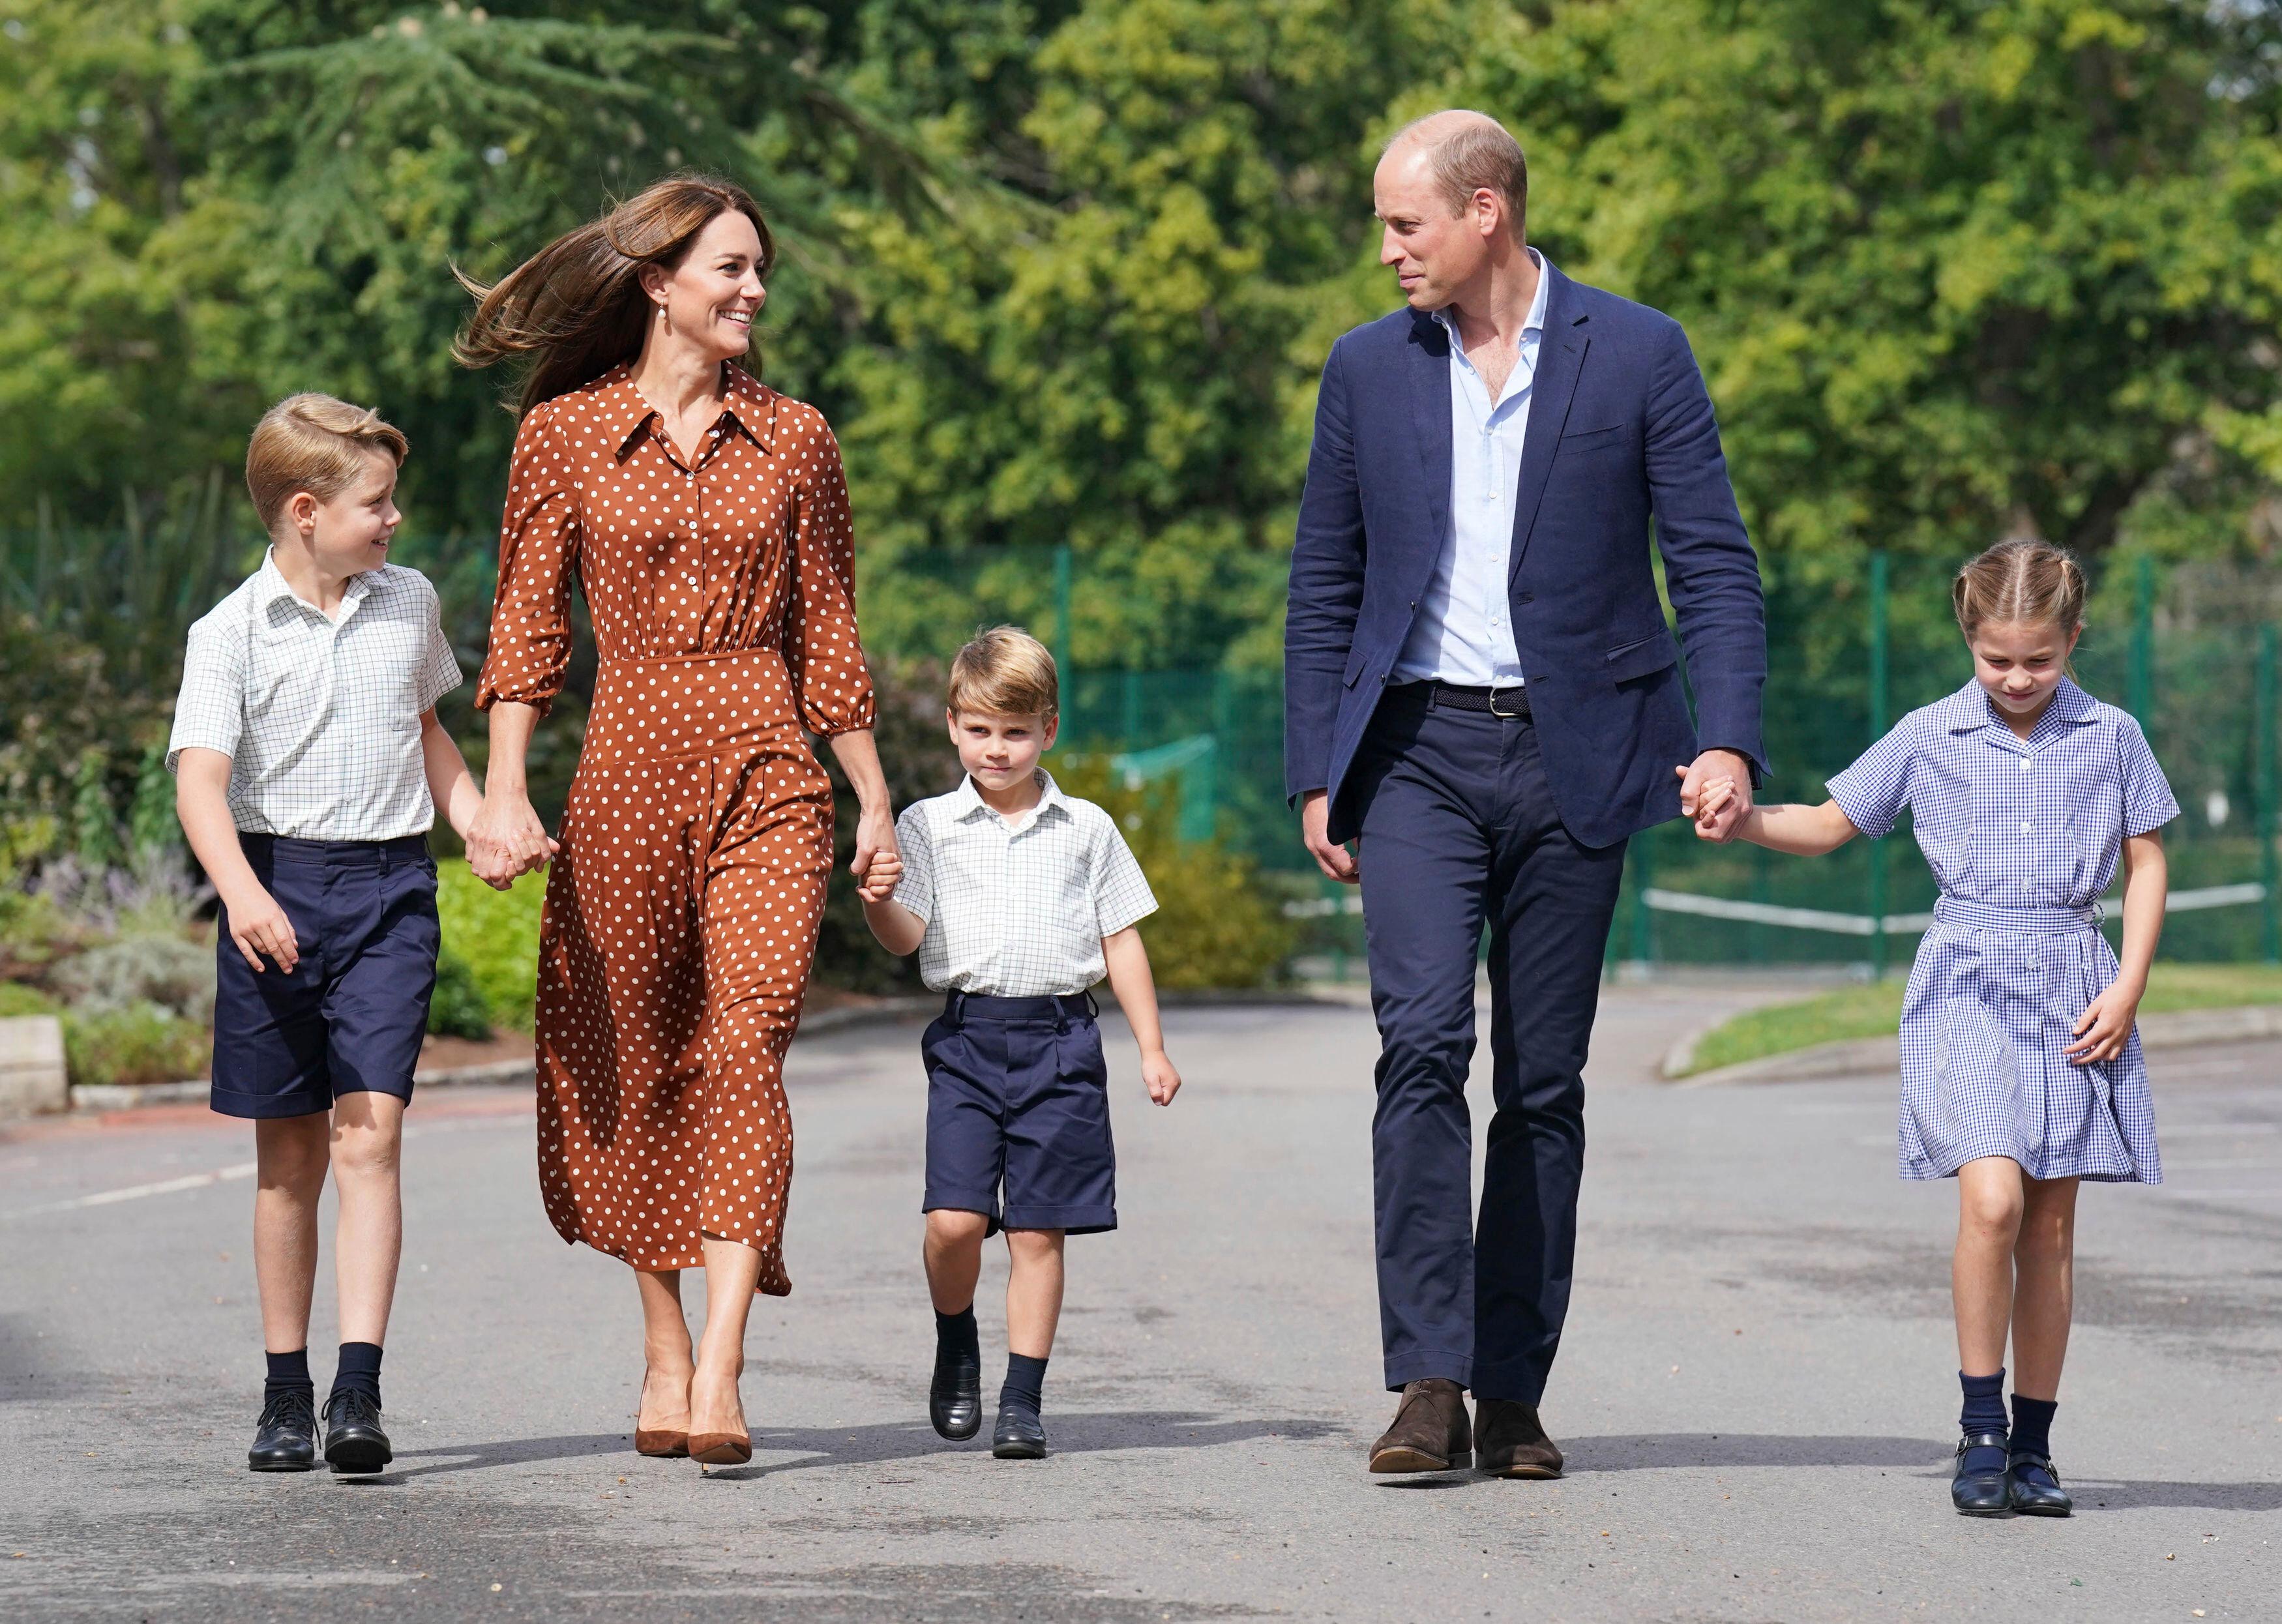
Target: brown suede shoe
column 1431, row 1432
column 1514, row 1444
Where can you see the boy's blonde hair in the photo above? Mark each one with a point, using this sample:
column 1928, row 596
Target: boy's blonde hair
column 1005, row 671
column 317, row 444
column 2021, row 581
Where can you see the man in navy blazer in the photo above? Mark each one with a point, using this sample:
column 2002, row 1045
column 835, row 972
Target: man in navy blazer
column 1483, row 695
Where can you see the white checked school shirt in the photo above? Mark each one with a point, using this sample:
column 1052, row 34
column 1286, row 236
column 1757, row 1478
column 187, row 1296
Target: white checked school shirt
column 1464, row 634
column 320, row 718
column 1016, row 910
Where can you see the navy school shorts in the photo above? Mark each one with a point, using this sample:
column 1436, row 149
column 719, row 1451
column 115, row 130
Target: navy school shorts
column 350, row 1015
column 1018, row 1100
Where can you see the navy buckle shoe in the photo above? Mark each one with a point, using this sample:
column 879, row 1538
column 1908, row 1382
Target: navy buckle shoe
column 2034, row 1487
column 1982, row 1491
column 353, row 1441
column 285, row 1437
column 955, row 1397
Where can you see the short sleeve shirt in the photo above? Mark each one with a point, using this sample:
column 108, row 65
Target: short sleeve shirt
column 1019, row 909
column 2026, row 823
column 319, row 717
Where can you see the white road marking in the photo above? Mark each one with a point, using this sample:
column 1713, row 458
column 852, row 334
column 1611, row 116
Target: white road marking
column 135, row 1193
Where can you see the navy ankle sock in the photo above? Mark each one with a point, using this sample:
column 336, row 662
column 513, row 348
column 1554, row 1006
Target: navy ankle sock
column 360, row 1369
column 955, row 1333
column 287, row 1371
column 1026, row 1384
column 2032, row 1424
column 1984, row 1412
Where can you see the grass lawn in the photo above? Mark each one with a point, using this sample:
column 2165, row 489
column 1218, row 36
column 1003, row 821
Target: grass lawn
column 1875, row 1011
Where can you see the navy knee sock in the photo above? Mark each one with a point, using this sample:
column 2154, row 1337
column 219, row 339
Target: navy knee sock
column 1984, row 1412
column 2032, row 1426
column 1026, row 1384
column 287, row 1371
column 955, row 1334
column 360, row 1369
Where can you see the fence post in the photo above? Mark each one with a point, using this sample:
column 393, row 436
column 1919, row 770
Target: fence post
column 1879, row 653
column 1069, row 673
column 2263, row 785
column 2141, row 696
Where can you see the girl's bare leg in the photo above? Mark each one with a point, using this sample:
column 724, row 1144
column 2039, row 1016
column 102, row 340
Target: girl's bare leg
column 667, row 1362
column 732, row 1271
column 1988, row 1205
column 290, row 1155
column 1034, row 1291
column 369, row 1238
column 2044, row 1300
column 952, row 1253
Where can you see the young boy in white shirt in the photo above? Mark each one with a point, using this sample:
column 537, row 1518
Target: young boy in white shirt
column 308, row 768
column 1018, row 898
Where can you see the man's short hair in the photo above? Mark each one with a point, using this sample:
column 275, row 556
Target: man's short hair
column 1478, row 154
column 317, row 444
column 1005, row 671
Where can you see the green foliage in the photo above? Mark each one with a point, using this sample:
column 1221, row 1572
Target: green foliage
column 1218, row 924
column 494, row 935
column 458, row 1008
column 16, row 999
column 136, row 1043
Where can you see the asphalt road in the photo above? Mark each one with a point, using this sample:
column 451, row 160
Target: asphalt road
column 1757, row 1392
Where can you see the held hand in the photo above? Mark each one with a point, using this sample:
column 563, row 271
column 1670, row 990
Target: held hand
column 2105, row 1026
column 259, row 926
column 1724, row 819
column 1158, row 1074
column 505, row 839
column 879, row 881
column 876, row 834
column 1336, row 861
column 1716, row 793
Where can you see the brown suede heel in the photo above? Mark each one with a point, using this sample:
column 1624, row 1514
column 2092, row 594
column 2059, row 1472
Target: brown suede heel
column 664, row 1443
column 721, row 1448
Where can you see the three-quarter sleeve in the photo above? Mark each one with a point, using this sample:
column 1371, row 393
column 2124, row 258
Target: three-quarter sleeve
column 830, row 683
column 2148, row 802
column 1873, row 792
column 530, row 652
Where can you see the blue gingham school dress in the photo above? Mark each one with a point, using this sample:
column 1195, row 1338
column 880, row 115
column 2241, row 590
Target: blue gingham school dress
column 2023, row 837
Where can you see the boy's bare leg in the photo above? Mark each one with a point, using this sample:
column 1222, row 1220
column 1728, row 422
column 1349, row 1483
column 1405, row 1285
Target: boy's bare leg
column 367, row 1138
column 732, row 1270
column 954, row 1255
column 1033, row 1289
column 1988, row 1205
column 289, row 1153
column 668, row 1360
column 2044, row 1300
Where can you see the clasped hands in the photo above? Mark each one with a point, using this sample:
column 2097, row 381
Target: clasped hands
column 505, row 841
column 1715, row 793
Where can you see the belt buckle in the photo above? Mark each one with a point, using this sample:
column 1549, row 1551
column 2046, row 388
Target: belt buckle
column 1510, row 716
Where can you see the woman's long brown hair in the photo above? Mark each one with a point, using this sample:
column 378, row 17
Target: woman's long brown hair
column 576, row 308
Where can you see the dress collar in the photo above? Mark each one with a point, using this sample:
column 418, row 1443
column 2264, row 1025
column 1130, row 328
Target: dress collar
column 747, row 404
column 1969, row 708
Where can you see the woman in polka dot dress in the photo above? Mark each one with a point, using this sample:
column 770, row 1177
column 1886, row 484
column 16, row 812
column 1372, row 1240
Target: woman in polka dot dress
column 705, row 518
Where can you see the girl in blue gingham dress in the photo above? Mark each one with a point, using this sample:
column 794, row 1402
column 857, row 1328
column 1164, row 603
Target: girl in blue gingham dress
column 2022, row 1070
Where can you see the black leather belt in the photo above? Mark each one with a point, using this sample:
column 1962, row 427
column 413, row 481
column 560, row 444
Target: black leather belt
column 1510, row 703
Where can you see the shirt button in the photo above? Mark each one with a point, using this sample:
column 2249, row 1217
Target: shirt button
column 2024, row 828
column 2024, row 763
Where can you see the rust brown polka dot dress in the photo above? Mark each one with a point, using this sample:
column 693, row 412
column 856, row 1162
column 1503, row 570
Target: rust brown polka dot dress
column 681, row 914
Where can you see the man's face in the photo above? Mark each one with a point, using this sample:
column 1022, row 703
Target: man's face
column 1433, row 252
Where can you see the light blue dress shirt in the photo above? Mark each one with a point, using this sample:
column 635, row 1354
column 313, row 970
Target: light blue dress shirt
column 1463, row 632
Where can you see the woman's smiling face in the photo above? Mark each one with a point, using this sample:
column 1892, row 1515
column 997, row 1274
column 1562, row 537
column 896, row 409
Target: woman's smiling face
column 711, row 296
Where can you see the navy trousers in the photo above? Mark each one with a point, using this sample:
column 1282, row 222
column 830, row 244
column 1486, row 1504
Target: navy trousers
column 1459, row 831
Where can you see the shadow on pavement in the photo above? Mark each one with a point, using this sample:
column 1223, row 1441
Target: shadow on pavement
column 1663, row 1451
column 1078, row 1433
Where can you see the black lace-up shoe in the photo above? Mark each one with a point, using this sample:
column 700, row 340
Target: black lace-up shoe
column 2034, row 1487
column 353, row 1441
column 1019, row 1435
column 285, row 1437
column 955, row 1397
column 1979, row 1491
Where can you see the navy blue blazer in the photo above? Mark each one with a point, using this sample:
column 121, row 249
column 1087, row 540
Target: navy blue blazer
column 1620, row 430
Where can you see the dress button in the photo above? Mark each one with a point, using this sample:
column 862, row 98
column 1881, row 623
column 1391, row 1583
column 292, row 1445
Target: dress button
column 2024, row 763
column 2024, row 828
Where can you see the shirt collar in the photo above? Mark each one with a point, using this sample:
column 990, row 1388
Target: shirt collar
column 1533, row 323
column 271, row 585
column 966, row 800
column 747, row 403
column 1969, row 708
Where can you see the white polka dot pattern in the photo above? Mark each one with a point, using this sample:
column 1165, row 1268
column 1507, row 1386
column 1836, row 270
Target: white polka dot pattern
column 681, row 916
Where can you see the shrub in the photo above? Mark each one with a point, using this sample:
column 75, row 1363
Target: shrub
column 140, row 1043
column 175, row 974
column 458, row 1008
column 495, row 935
column 16, row 999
